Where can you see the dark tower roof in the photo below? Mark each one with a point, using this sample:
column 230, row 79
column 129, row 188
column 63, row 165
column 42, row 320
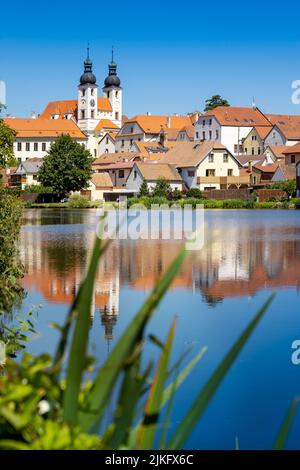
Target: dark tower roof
column 112, row 79
column 88, row 77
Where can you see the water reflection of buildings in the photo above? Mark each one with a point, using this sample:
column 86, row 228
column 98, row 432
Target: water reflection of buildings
column 236, row 262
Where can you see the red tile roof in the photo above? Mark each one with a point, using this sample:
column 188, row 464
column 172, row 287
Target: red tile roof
column 45, row 127
column 70, row 107
column 238, row 117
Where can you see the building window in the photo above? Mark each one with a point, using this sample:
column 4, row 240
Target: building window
column 122, row 143
column 225, row 157
column 238, row 148
column 83, row 92
column 203, row 135
column 116, row 116
column 131, row 130
column 230, row 172
column 95, row 153
column 254, row 179
column 211, row 158
column 217, row 134
column 106, row 151
column 210, row 121
column 293, row 158
column 203, row 122
column 210, row 135
column 19, row 146
column 82, row 114
column 197, row 135
column 43, row 147
column 254, row 137
column 108, row 94
column 35, row 146
column 210, row 172
column 246, row 150
column 107, row 140
column 121, row 173
column 92, row 114
column 134, row 174
column 131, row 141
column 27, row 146
column 274, row 135
column 253, row 150
column 191, row 173
column 92, row 91
column 117, row 94
column 258, row 150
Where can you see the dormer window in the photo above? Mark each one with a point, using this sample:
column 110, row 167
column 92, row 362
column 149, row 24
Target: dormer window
column 211, row 158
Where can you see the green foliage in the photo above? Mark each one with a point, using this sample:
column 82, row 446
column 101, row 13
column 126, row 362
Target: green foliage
column 76, row 201
column 144, row 191
column 7, row 137
column 289, row 186
column 11, row 270
column 194, row 193
column 214, row 102
column 42, row 408
column 37, row 188
column 175, row 195
column 162, row 188
column 67, row 166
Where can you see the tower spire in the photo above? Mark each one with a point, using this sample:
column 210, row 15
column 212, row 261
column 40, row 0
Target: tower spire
column 88, row 51
column 112, row 54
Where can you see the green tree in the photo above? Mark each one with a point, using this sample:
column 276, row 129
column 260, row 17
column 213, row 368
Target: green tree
column 162, row 188
column 7, row 137
column 289, row 186
column 67, row 166
column 144, row 191
column 214, row 102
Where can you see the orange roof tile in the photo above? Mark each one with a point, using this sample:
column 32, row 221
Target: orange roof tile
column 278, row 150
column 154, row 171
column 293, row 149
column 102, row 180
column 239, row 117
column 263, row 131
column 289, row 125
column 105, row 124
column 45, row 127
column 61, row 108
column 190, row 154
column 153, row 124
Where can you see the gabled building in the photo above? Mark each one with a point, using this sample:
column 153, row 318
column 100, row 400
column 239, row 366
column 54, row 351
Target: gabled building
column 284, row 173
column 34, row 136
column 286, row 130
column 27, row 173
column 107, row 143
column 151, row 173
column 149, row 128
column 229, row 126
column 207, row 165
column 254, row 142
column 275, row 153
column 292, row 155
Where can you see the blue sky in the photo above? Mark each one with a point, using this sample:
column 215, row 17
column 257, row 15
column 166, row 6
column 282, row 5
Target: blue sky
column 171, row 56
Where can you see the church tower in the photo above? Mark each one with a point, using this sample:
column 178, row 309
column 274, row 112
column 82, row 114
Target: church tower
column 113, row 91
column 87, row 108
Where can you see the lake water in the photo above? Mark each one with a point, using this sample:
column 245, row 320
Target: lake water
column 216, row 294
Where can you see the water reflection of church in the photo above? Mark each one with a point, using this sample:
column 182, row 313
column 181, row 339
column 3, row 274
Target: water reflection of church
column 238, row 264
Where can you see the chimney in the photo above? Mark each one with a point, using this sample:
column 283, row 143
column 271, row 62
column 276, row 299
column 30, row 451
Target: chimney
column 176, row 114
column 148, row 113
column 33, row 115
column 163, row 137
column 168, row 122
column 250, row 166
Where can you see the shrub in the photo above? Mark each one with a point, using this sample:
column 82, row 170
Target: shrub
column 194, row 193
column 10, row 267
column 162, row 188
column 76, row 201
column 175, row 195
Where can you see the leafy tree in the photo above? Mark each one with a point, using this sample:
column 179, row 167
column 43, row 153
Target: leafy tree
column 67, row 166
column 162, row 188
column 215, row 101
column 7, row 137
column 144, row 191
column 289, row 186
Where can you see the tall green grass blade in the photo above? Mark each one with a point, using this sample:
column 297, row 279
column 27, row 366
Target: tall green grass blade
column 77, row 359
column 286, row 425
column 130, row 393
column 198, row 407
column 148, row 427
column 95, row 404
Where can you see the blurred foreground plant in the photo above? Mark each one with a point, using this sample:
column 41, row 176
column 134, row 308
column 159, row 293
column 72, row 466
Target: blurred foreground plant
column 41, row 407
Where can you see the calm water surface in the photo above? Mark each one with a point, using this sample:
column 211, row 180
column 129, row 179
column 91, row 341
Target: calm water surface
column 215, row 295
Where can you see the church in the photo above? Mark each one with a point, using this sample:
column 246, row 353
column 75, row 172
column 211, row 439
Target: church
column 93, row 114
column 86, row 119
